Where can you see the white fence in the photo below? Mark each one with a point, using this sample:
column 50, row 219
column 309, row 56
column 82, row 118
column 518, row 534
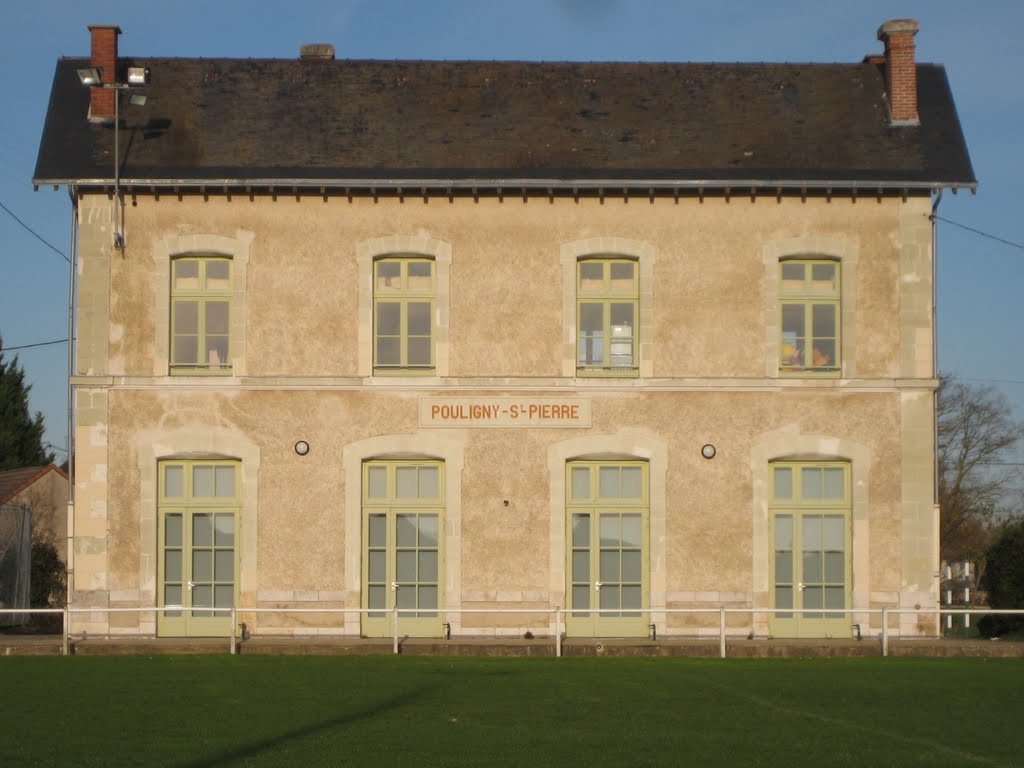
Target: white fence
column 557, row 616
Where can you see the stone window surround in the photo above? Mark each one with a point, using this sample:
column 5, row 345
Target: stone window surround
column 193, row 443
column 450, row 451
column 810, row 448
column 810, row 247
column 399, row 245
column 164, row 251
column 644, row 253
column 628, row 445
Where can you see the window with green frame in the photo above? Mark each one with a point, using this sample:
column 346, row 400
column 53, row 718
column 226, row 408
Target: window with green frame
column 809, row 307
column 606, row 316
column 200, row 314
column 404, row 291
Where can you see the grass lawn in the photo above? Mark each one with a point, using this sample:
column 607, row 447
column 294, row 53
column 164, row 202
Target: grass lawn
column 415, row 711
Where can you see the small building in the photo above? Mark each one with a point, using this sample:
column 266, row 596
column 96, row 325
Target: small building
column 628, row 340
column 44, row 492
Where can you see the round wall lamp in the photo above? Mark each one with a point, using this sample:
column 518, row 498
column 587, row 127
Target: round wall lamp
column 708, row 451
column 302, row 447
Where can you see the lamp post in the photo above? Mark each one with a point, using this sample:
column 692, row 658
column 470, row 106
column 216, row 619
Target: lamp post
column 91, row 77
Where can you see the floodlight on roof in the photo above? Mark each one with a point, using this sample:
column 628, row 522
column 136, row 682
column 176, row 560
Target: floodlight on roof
column 90, row 76
column 138, row 75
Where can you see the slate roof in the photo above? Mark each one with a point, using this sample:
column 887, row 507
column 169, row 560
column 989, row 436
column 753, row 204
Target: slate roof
column 14, row 481
column 334, row 122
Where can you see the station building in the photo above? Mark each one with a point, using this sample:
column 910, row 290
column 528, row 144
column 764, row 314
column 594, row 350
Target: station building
column 615, row 338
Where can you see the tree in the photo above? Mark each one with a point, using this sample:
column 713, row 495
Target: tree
column 21, row 435
column 1004, row 579
column 977, row 434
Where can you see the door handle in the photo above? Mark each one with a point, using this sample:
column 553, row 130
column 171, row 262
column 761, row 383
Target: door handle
column 598, row 585
column 190, row 585
column 801, row 586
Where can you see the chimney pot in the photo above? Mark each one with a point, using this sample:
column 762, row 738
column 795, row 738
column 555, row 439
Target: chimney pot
column 104, row 58
column 317, row 51
column 900, row 69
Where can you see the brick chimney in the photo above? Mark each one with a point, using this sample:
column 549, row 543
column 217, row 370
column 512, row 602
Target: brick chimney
column 900, row 69
column 104, row 58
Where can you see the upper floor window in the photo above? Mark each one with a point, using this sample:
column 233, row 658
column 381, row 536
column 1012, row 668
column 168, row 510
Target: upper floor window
column 607, row 291
column 404, row 291
column 809, row 306
column 201, row 295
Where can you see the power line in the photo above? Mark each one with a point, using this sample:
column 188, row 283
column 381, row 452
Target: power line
column 35, row 234
column 995, row 381
column 37, row 344
column 979, row 232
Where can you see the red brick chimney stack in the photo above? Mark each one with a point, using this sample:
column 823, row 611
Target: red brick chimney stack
column 104, row 58
column 900, row 69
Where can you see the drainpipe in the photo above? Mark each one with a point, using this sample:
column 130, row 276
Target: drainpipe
column 71, row 400
column 935, row 339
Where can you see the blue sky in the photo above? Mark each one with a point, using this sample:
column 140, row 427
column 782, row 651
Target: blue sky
column 981, row 311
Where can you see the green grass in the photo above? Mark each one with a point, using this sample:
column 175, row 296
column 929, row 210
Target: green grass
column 416, row 711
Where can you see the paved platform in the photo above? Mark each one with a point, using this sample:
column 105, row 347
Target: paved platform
column 51, row 645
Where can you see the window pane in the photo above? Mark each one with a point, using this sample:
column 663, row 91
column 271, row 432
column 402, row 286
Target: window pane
column 823, row 320
column 389, row 318
column 172, row 594
column 581, row 566
column 405, row 530
column 388, row 352
column 784, row 567
column 792, row 275
column 389, row 275
column 611, row 531
column 172, row 530
column 202, row 530
column 783, row 532
column 783, row 599
column 223, row 596
column 622, row 318
column 376, row 597
column 405, row 566
column 811, row 531
column 419, row 353
column 225, row 481
column 810, row 483
column 202, row 565
column 835, row 568
column 581, row 531
column 407, row 483
column 631, row 530
column 172, row 565
column 186, row 274
column 591, row 275
column 581, row 483
column 217, row 317
column 418, row 320
column 202, row 481
column 428, row 530
column 793, row 335
column 813, row 570
column 420, row 275
column 622, row 276
column 823, row 353
column 631, row 566
column 427, row 566
column 609, row 597
column 835, row 597
column 428, row 483
column 377, row 478
column 427, row 598
column 581, row 596
column 609, row 484
column 632, row 597
column 377, row 566
column 832, row 532
column 591, row 317
column 783, row 483
column 186, row 317
column 632, row 482
column 224, row 565
column 823, row 277
column 218, row 275
column 173, row 481
column 377, row 534
column 812, row 597
column 186, row 350
column 609, row 566
column 406, row 597
column 224, row 530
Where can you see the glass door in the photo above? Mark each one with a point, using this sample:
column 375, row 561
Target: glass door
column 196, row 545
column 403, row 548
column 811, row 572
column 607, row 558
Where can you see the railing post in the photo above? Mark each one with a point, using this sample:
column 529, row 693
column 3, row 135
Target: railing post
column 394, row 625
column 558, row 632
column 885, row 631
column 234, row 627
column 721, row 632
column 66, row 628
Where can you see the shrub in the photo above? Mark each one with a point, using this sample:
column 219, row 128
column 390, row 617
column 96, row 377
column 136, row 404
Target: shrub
column 1004, row 578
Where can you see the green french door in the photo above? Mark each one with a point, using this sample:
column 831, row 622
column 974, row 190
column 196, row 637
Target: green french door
column 196, row 542
column 811, row 542
column 607, row 549
column 403, row 547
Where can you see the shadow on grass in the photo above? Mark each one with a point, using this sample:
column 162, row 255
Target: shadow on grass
column 257, row 748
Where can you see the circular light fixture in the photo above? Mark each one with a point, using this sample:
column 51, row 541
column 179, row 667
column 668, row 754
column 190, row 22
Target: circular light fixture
column 302, row 447
column 708, row 451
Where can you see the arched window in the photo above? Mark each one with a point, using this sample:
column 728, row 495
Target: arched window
column 404, row 292
column 809, row 316
column 607, row 298
column 201, row 293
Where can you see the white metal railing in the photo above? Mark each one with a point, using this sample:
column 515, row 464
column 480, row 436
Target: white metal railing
column 557, row 614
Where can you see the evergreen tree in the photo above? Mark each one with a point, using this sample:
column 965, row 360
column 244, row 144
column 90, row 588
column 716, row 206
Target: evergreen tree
column 21, row 435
